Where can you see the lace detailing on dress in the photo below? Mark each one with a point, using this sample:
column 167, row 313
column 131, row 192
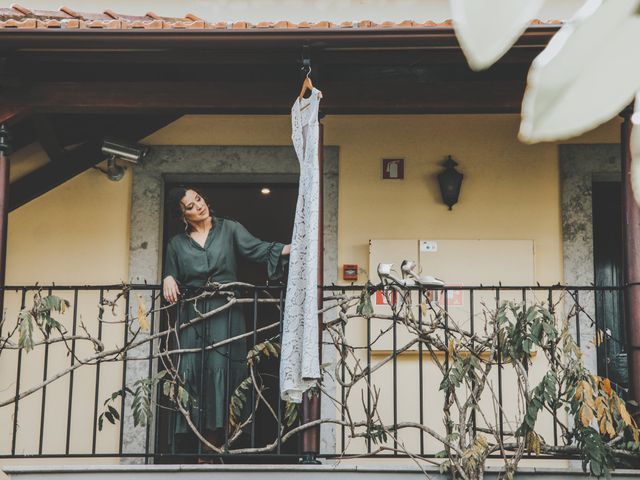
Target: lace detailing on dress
column 299, row 360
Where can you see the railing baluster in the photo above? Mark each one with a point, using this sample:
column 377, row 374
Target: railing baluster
column 577, row 304
column 255, row 342
column 202, row 400
column 472, row 328
column 44, row 394
column 174, row 414
column 420, row 372
column 73, row 360
column 605, row 333
column 124, row 369
column 555, row 417
column 17, row 391
column 279, row 439
column 343, row 396
column 394, row 298
column 227, row 388
column 150, row 374
column 97, row 388
column 500, row 404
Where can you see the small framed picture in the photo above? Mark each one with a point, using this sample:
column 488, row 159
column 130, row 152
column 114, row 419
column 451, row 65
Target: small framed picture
column 393, row 168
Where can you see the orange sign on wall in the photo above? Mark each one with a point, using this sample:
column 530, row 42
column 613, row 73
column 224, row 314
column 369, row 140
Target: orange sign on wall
column 455, row 298
column 386, row 296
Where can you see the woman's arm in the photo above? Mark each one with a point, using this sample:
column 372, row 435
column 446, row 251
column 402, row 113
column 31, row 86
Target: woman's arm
column 170, row 289
column 256, row 250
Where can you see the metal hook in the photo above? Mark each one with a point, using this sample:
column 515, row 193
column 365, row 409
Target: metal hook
column 306, row 60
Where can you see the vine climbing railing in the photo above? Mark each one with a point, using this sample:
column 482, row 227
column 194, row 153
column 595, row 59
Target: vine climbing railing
column 449, row 377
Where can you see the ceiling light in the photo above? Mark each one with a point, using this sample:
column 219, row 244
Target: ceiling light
column 265, row 191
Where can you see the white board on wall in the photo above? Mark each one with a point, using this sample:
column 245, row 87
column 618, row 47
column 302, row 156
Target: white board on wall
column 467, row 262
column 475, row 262
column 460, row 263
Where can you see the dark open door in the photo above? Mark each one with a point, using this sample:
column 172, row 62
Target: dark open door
column 269, row 217
column 607, row 253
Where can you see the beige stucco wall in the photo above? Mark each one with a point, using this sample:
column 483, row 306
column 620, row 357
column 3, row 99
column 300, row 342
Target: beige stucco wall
column 510, row 191
column 78, row 233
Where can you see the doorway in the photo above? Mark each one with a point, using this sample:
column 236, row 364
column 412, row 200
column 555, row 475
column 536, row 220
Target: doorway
column 607, row 257
column 267, row 210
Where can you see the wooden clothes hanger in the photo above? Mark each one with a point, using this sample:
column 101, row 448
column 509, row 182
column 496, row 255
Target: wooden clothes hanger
column 307, row 84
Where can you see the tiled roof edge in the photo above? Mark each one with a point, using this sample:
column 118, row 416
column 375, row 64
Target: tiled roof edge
column 21, row 17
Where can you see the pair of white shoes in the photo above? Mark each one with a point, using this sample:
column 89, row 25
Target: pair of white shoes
column 410, row 276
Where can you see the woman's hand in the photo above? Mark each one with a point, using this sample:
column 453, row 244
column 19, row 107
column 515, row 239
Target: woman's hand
column 286, row 250
column 170, row 289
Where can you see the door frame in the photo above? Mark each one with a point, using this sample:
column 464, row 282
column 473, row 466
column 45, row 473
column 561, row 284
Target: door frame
column 580, row 165
column 204, row 163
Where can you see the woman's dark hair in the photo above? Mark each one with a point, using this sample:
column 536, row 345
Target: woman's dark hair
column 177, row 193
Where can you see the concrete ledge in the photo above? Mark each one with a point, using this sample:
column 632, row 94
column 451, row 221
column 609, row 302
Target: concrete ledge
column 275, row 472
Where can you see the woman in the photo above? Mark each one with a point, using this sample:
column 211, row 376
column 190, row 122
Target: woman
column 207, row 252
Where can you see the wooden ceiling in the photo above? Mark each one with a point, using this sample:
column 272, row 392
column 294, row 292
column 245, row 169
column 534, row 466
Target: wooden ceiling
column 360, row 72
column 72, row 88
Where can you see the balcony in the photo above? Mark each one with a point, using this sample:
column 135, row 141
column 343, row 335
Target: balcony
column 440, row 379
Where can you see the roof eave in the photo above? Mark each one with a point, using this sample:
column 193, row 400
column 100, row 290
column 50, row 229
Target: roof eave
column 225, row 39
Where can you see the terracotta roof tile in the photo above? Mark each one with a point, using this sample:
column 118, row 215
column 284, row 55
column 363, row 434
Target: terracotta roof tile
column 19, row 16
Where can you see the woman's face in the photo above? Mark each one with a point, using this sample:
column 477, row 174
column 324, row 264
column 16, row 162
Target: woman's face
column 194, row 208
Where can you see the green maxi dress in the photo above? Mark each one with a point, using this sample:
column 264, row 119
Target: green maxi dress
column 192, row 266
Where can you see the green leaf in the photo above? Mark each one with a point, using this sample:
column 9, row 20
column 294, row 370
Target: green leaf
column 114, row 413
column 109, row 417
column 365, row 308
column 290, row 413
column 25, row 339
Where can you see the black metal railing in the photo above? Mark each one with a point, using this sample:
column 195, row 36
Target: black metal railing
column 63, row 383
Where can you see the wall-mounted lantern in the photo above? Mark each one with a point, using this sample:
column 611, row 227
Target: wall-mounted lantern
column 450, row 181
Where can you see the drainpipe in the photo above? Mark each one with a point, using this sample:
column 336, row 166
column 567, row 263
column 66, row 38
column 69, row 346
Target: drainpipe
column 311, row 401
column 631, row 252
column 4, row 208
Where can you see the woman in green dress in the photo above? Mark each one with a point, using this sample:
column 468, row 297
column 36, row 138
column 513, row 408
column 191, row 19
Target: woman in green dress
column 207, row 252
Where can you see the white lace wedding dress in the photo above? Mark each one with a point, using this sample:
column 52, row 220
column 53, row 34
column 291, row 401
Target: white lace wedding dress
column 299, row 358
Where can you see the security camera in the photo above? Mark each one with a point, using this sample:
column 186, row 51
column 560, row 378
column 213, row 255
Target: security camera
column 119, row 150
column 130, row 152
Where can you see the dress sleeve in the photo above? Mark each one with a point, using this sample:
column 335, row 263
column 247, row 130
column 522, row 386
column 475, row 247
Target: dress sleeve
column 256, row 250
column 171, row 262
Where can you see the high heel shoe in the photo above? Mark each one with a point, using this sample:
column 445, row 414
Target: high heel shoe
column 388, row 275
column 409, row 268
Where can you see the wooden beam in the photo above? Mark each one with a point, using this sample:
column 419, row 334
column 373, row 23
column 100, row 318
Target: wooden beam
column 80, row 159
column 357, row 96
column 48, row 139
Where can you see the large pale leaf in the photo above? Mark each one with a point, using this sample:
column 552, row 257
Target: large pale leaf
column 635, row 151
column 486, row 29
column 588, row 73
